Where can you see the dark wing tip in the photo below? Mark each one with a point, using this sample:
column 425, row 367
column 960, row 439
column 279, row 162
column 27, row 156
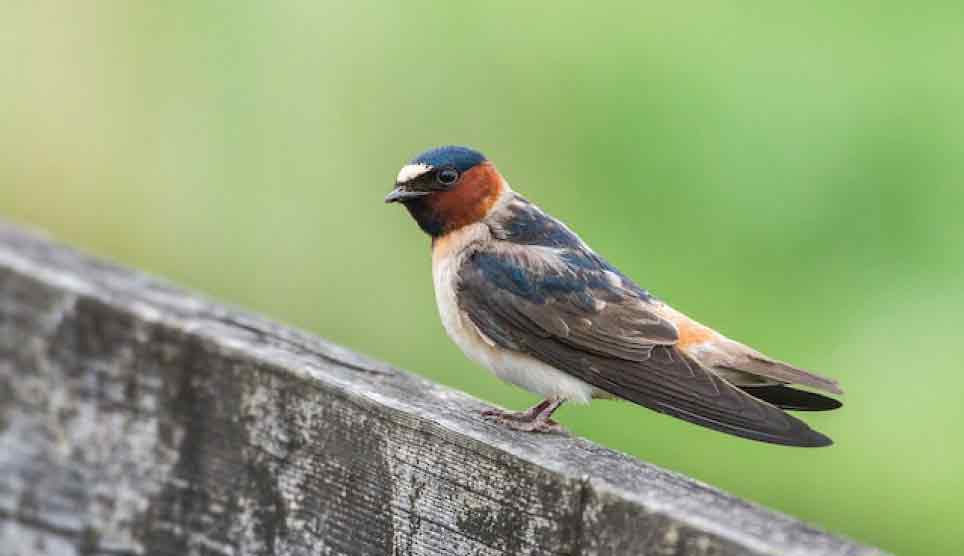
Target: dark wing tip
column 792, row 399
column 819, row 440
column 793, row 431
column 808, row 438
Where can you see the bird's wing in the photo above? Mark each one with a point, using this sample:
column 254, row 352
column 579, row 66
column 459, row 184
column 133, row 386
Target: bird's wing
column 569, row 309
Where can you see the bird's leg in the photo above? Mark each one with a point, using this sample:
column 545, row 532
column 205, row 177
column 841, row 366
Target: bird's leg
column 537, row 418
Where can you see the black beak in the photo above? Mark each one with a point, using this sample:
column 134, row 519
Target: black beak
column 401, row 195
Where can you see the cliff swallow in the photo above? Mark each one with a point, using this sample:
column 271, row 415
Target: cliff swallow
column 523, row 296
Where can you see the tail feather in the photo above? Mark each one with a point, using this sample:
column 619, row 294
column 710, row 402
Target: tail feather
column 751, row 368
column 785, row 397
column 783, row 372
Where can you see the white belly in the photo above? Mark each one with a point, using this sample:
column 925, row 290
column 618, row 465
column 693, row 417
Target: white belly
column 513, row 367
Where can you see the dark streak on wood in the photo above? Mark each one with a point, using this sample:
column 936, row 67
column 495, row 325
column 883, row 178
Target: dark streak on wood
column 139, row 419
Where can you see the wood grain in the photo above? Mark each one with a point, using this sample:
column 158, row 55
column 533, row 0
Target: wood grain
column 137, row 418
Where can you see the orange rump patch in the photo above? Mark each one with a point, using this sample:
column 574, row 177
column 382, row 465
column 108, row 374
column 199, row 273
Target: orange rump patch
column 691, row 333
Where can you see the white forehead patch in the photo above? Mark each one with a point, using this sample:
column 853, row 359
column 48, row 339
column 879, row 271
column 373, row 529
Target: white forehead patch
column 411, row 171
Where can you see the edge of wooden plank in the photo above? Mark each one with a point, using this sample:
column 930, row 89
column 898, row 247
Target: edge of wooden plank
column 619, row 493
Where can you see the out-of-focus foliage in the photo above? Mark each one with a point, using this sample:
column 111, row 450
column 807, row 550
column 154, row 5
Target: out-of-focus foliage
column 793, row 175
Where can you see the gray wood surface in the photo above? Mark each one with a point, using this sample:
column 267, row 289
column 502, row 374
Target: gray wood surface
column 137, row 418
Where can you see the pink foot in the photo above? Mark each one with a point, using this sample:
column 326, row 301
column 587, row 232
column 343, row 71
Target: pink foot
column 536, row 419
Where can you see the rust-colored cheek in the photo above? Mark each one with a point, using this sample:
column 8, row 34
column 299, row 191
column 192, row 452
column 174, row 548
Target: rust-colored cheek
column 470, row 200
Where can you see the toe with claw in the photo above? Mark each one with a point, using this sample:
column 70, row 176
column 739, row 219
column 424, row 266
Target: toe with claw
column 535, row 419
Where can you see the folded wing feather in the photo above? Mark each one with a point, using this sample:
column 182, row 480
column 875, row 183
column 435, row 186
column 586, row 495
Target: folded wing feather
column 578, row 319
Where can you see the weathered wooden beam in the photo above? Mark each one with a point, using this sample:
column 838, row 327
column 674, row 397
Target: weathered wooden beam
column 136, row 418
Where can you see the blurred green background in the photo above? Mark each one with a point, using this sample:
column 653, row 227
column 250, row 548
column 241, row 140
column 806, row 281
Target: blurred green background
column 790, row 174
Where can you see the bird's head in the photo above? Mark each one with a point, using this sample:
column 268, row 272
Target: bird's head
column 447, row 188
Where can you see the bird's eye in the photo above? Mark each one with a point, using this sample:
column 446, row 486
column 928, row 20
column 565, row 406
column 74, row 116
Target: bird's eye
column 447, row 176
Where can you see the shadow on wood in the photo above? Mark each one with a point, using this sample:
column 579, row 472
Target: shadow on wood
column 136, row 418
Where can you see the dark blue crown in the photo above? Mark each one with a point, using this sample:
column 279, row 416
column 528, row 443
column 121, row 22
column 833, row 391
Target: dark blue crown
column 461, row 158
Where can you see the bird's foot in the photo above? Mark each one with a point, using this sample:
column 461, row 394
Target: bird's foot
column 535, row 419
column 519, row 421
column 500, row 415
